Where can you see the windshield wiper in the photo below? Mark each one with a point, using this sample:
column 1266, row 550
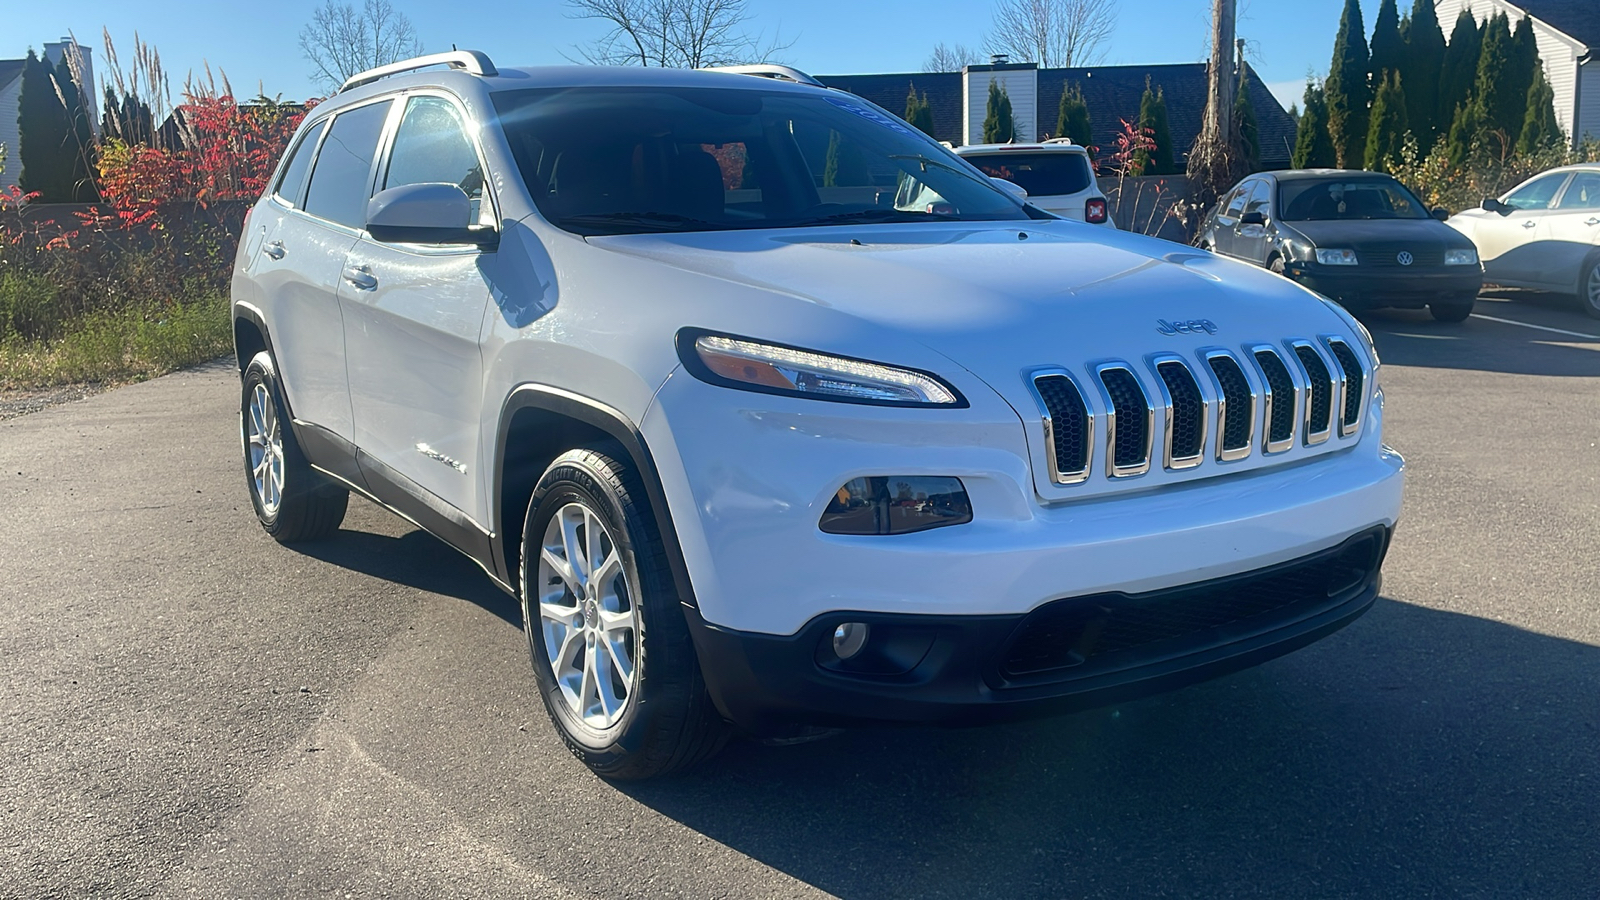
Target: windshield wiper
column 658, row 221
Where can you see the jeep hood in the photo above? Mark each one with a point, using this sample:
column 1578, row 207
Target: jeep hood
column 999, row 303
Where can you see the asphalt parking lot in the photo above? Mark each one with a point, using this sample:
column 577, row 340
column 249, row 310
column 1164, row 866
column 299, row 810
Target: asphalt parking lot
column 188, row 709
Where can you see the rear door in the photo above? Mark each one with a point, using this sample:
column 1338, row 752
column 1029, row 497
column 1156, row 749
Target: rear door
column 413, row 314
column 1225, row 229
column 1506, row 244
column 1570, row 231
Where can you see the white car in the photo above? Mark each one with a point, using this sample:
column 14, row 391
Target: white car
column 756, row 459
column 1544, row 234
column 1057, row 174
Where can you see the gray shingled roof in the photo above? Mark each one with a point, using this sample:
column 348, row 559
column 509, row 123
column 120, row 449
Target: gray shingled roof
column 1577, row 19
column 10, row 70
column 1111, row 92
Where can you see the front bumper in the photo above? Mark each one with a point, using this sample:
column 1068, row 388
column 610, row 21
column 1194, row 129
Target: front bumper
column 1358, row 287
column 1073, row 654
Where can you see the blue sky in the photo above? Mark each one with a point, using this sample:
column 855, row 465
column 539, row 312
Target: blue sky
column 256, row 43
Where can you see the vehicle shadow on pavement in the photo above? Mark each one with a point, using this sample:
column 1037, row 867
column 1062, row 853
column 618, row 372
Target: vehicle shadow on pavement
column 418, row 560
column 1418, row 753
column 1412, row 338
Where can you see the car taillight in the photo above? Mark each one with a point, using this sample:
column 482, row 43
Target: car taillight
column 1094, row 212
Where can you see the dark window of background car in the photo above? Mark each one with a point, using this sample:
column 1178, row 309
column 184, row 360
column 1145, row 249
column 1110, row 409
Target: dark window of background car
column 1237, row 199
column 291, row 185
column 1538, row 193
column 1040, row 174
column 340, row 179
column 1582, row 193
column 1260, row 195
column 431, row 147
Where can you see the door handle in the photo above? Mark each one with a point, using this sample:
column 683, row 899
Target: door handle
column 361, row 277
column 1529, row 223
column 273, row 249
column 1592, row 221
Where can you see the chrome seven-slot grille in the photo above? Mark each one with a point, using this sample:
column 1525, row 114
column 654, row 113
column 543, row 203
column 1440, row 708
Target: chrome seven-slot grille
column 1298, row 394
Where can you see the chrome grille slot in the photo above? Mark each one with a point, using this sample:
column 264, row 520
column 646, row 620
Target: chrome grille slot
column 1130, row 421
column 1282, row 399
column 1321, row 388
column 1355, row 387
column 1068, row 427
column 1185, row 415
column 1236, row 412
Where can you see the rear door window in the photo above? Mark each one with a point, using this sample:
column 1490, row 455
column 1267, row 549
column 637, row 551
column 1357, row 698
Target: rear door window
column 342, row 177
column 291, row 185
column 1582, row 193
column 1040, row 174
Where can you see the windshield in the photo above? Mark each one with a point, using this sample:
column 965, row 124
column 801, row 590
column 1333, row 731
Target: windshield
column 1366, row 198
column 1040, row 174
column 630, row 160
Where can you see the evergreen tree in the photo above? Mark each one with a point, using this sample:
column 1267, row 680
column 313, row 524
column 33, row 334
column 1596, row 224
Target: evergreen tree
column 1499, row 112
column 919, row 112
column 1313, row 148
column 43, row 131
column 1540, row 130
column 128, row 119
column 1244, row 117
column 1388, row 50
column 1458, row 71
column 1347, row 91
column 844, row 166
column 1466, row 130
column 1157, row 159
column 78, row 146
column 998, row 126
column 1419, row 72
column 1519, row 74
column 1388, row 132
column 1072, row 120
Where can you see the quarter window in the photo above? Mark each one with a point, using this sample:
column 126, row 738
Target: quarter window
column 291, row 185
column 343, row 172
column 431, row 147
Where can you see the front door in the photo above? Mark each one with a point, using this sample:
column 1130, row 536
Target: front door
column 1507, row 243
column 1570, row 232
column 413, row 314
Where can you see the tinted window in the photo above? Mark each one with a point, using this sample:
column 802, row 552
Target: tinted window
column 1040, row 174
column 339, row 183
column 1260, row 195
column 293, row 182
column 1357, row 198
column 1538, row 193
column 1583, row 192
column 1237, row 198
column 431, row 146
column 622, row 160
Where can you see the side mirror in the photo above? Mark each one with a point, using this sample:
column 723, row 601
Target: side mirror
column 1015, row 190
column 426, row 214
column 1441, row 213
column 1491, row 204
column 1253, row 217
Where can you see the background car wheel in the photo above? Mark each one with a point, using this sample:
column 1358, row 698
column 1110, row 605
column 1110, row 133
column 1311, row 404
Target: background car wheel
column 611, row 650
column 293, row 501
column 1451, row 310
column 1589, row 287
column 1276, row 265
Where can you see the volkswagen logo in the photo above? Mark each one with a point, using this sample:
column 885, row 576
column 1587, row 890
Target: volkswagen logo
column 1405, row 258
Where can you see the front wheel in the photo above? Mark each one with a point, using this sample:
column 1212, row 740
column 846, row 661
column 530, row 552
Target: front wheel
column 293, row 501
column 1452, row 310
column 1589, row 287
column 611, row 650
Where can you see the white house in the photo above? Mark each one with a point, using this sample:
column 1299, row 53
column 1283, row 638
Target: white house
column 1568, row 35
column 11, row 93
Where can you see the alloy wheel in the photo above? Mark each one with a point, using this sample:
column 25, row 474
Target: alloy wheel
column 587, row 616
column 265, row 446
column 1592, row 289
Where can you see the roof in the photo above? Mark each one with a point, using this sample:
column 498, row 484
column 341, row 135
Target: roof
column 1308, row 174
column 10, row 70
column 1112, row 94
column 1013, row 148
column 1577, row 19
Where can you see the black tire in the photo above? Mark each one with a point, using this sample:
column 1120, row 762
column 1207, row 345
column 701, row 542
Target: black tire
column 1589, row 286
column 309, row 506
column 667, row 722
column 1451, row 310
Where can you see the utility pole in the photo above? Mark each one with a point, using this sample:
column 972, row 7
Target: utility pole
column 1213, row 159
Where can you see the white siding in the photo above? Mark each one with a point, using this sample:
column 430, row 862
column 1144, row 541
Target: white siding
column 1021, row 85
column 8, row 132
column 1559, row 52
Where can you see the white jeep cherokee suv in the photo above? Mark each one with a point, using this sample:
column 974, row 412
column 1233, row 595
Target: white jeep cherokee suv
column 758, row 450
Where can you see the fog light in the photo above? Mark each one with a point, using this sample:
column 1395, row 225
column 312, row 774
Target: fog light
column 849, row 638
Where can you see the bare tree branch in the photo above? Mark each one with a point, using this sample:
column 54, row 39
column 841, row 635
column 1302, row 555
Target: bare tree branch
column 685, row 34
column 340, row 40
column 1053, row 33
column 951, row 59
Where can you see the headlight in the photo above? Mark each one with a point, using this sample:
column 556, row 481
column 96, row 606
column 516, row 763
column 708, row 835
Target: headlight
column 1461, row 257
column 1336, row 257
column 772, row 369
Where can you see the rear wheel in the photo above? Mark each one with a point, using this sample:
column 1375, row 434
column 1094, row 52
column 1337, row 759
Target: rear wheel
column 611, row 650
column 293, row 501
column 1589, row 287
column 1451, row 310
